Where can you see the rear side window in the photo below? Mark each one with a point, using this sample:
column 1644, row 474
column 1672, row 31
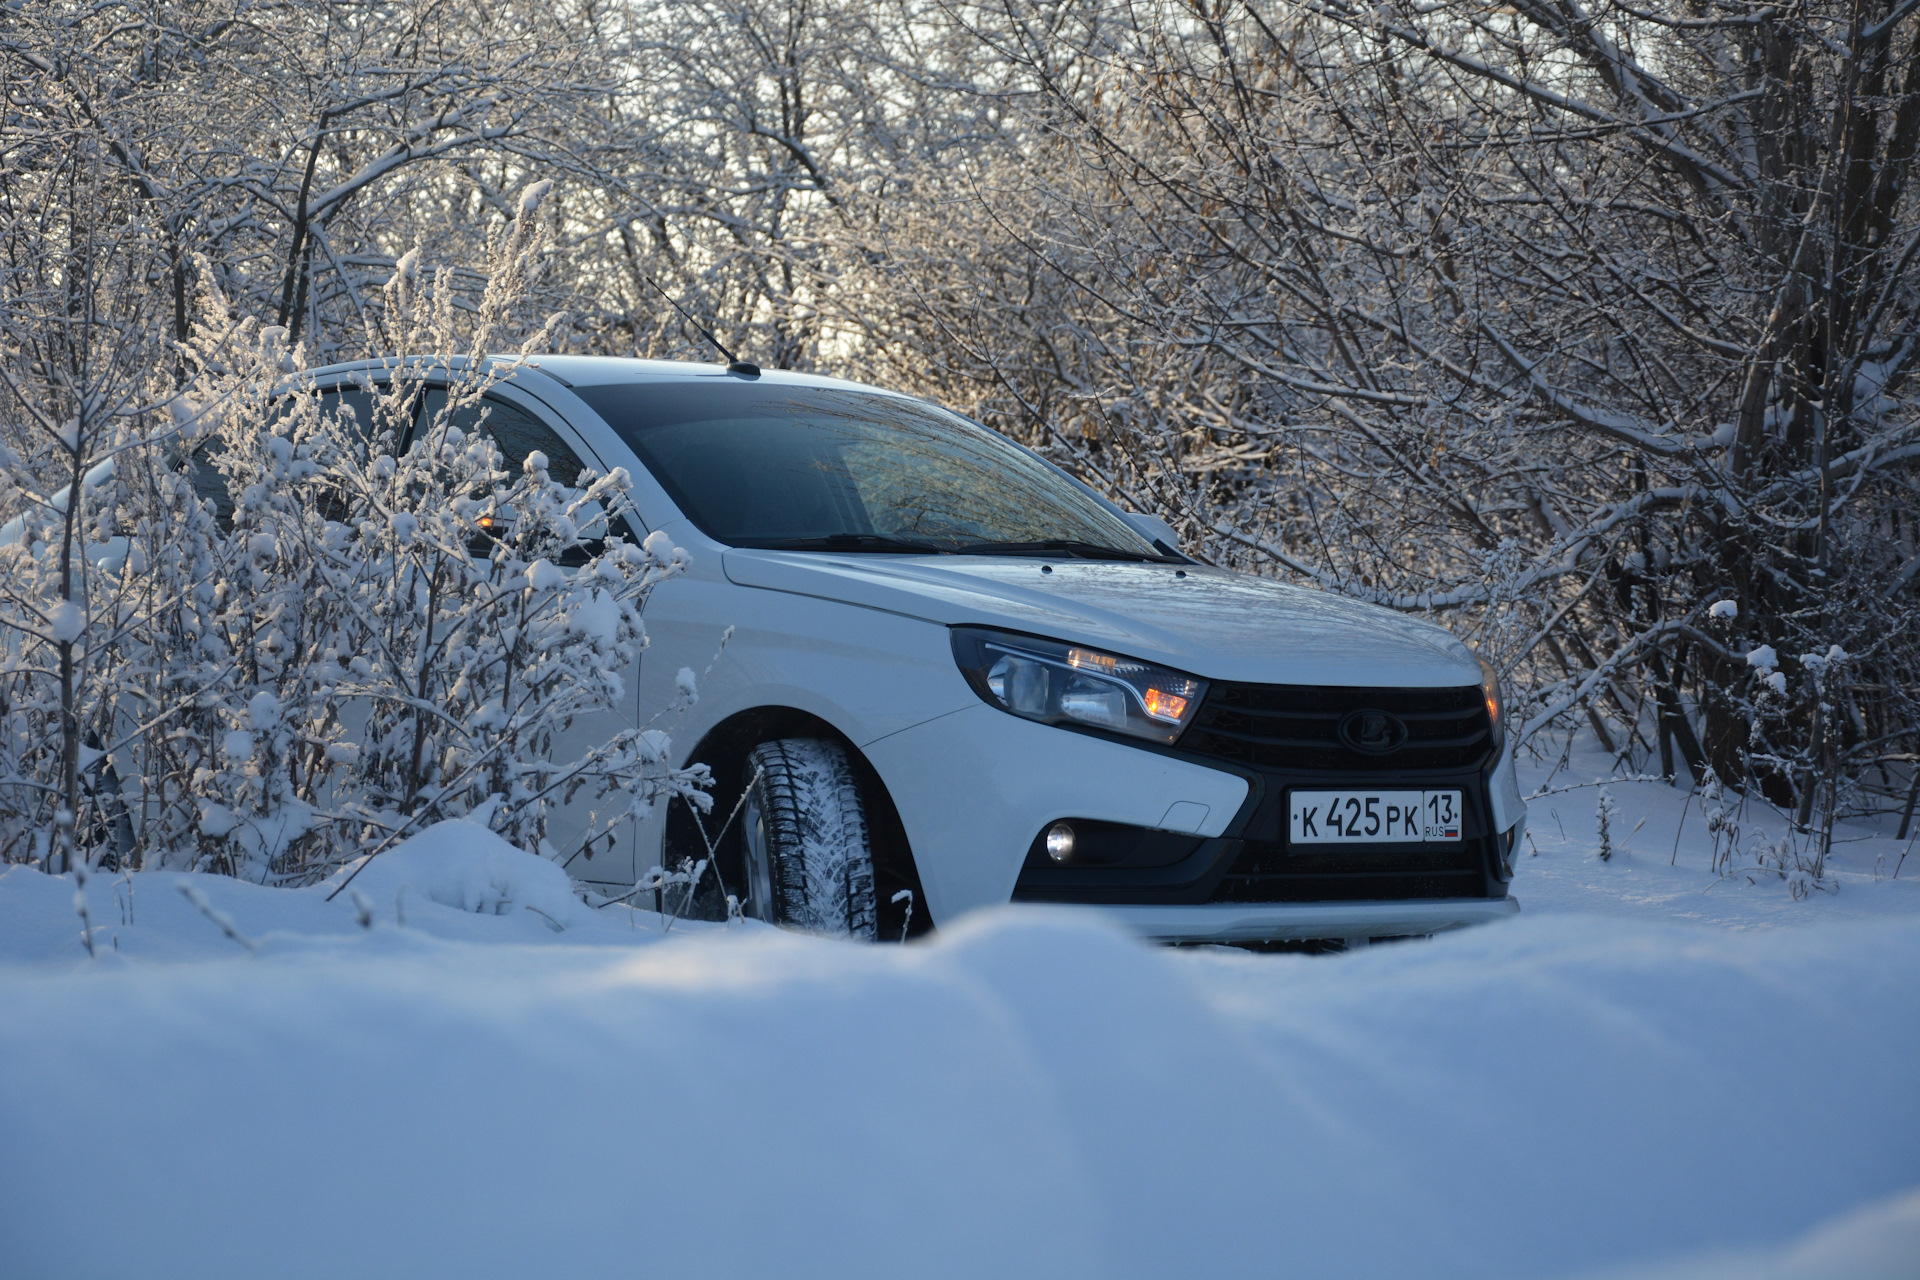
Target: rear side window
column 209, row 485
column 355, row 407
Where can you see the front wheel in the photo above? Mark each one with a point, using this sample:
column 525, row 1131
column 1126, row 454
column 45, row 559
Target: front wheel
column 809, row 860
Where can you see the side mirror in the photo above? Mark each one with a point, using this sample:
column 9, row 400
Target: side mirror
column 1154, row 530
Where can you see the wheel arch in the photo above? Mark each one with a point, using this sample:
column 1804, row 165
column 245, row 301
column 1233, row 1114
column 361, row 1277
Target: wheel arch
column 724, row 748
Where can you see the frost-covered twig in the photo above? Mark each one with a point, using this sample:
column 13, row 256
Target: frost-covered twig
column 552, row 924
column 80, row 869
column 1597, row 782
column 905, row 895
column 221, row 919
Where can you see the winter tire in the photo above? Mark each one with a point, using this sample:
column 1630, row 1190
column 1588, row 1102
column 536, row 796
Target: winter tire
column 809, row 861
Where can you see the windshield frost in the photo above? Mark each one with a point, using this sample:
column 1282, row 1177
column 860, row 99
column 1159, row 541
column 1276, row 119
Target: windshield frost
column 772, row 466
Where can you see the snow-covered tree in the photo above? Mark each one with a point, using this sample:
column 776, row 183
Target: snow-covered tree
column 308, row 637
column 1561, row 323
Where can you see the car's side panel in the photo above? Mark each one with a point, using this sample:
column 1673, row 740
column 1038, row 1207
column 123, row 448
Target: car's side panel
column 974, row 787
column 866, row 672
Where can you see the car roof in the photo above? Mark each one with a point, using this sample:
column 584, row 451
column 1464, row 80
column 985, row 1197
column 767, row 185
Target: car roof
column 600, row 371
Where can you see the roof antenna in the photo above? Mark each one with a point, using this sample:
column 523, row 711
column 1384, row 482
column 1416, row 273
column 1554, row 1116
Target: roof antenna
column 745, row 368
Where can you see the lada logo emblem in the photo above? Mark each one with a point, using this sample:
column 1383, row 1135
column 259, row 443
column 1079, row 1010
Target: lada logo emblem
column 1372, row 733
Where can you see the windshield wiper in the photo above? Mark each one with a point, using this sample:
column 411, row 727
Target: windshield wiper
column 1060, row 546
column 847, row 542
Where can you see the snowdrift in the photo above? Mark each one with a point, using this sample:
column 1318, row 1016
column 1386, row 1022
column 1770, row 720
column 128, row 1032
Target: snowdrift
column 478, row 1094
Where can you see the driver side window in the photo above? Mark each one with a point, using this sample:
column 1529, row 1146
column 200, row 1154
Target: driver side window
column 513, row 431
column 517, row 433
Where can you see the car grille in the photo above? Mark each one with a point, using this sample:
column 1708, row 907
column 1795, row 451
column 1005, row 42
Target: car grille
column 1296, row 726
column 1269, row 873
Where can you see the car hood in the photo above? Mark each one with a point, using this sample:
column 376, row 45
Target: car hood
column 1221, row 625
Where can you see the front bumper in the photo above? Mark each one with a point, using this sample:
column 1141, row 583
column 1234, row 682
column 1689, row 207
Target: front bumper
column 1304, row 921
column 974, row 788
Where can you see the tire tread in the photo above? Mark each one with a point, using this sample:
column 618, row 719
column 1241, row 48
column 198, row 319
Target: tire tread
column 817, row 832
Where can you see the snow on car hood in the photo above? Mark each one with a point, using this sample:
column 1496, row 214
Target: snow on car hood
column 1225, row 626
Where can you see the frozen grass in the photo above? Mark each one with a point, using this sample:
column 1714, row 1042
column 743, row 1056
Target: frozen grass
column 1641, row 1076
column 1664, row 866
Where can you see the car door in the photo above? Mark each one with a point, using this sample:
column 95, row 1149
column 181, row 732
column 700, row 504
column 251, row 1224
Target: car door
column 519, row 424
column 686, row 618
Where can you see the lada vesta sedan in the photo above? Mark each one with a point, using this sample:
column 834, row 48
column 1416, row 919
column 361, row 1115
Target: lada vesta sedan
column 958, row 677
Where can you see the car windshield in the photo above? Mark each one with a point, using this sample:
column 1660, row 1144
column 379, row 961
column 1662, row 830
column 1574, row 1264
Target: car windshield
column 821, row 468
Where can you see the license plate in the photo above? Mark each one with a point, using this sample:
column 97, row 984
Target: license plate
column 1372, row 817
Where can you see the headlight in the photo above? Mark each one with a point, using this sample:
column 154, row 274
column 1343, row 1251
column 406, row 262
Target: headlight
column 1490, row 689
column 1058, row 683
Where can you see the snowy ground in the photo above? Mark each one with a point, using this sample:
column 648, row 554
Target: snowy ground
column 1653, row 1072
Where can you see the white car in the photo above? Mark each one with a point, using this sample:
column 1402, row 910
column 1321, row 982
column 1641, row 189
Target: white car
column 958, row 677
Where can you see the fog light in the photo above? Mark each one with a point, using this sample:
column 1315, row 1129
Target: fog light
column 1060, row 842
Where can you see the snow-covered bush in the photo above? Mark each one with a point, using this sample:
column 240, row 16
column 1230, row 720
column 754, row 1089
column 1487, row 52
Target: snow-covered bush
column 380, row 634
